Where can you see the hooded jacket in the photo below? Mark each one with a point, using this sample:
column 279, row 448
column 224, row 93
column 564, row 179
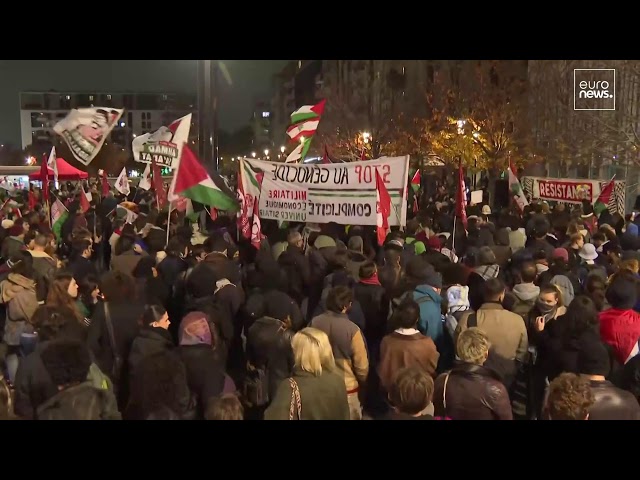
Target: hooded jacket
column 621, row 330
column 80, row 402
column 525, row 295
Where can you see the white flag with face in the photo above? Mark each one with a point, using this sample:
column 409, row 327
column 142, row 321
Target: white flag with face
column 122, row 183
column 145, row 182
column 52, row 164
column 85, row 130
column 164, row 145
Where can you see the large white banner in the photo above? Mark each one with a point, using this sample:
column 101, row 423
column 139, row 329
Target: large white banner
column 344, row 193
column 85, row 129
column 164, row 145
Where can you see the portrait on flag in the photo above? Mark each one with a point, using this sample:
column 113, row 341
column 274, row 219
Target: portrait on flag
column 164, row 146
column 85, row 130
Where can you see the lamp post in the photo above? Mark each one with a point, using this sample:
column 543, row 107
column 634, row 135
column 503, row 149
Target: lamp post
column 208, row 112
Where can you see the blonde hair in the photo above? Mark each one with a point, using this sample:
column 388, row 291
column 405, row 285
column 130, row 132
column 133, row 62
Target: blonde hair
column 312, row 351
column 552, row 288
column 631, row 264
column 473, row 346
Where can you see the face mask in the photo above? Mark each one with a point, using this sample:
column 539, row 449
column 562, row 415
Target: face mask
column 544, row 307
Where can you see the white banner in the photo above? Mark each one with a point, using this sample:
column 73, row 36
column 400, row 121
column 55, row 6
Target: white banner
column 164, row 145
column 84, row 130
column 344, row 193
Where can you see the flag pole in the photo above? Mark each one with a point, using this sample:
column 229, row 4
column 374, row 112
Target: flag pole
column 168, row 224
column 453, row 240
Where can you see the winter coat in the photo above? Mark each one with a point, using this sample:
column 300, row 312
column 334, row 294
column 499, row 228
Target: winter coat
column 80, row 402
column 205, row 373
column 149, row 340
column 19, row 294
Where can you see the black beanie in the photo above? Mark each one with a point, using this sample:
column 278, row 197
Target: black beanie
column 622, row 293
column 593, row 358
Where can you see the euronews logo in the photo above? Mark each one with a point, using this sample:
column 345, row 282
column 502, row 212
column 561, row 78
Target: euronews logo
column 594, row 89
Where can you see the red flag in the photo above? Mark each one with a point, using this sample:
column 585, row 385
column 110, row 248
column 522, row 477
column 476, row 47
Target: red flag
column 84, row 201
column 417, row 179
column 513, row 168
column 415, row 204
column 325, row 157
column 213, row 213
column 461, row 198
column 158, row 185
column 363, row 155
column 383, row 209
column 105, row 183
column 33, row 201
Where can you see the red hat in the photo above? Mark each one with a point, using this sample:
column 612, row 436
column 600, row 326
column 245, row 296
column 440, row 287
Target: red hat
column 434, row 243
column 561, row 253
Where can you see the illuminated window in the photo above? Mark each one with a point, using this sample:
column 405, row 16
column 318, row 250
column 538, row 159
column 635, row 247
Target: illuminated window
column 68, row 97
column 91, row 98
column 265, row 114
column 108, row 97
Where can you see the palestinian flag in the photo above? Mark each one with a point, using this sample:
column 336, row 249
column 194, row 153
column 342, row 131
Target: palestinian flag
column 416, row 181
column 602, row 202
column 516, row 188
column 304, row 129
column 299, row 152
column 59, row 214
column 307, row 112
column 191, row 180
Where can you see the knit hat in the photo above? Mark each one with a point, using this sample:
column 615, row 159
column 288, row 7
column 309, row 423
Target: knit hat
column 356, row 244
column 593, row 358
column 486, row 210
column 419, row 248
column 194, row 329
column 324, row 241
column 622, row 293
column 561, row 253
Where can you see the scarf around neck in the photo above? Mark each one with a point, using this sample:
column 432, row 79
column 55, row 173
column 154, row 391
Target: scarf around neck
column 373, row 280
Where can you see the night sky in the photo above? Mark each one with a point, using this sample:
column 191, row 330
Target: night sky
column 251, row 81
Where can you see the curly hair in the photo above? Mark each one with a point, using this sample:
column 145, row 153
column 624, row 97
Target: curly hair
column 570, row 398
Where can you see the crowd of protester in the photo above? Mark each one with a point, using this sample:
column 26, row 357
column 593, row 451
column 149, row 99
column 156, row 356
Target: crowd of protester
column 530, row 315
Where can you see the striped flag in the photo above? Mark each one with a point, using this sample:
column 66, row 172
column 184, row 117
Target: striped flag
column 307, row 112
column 304, row 129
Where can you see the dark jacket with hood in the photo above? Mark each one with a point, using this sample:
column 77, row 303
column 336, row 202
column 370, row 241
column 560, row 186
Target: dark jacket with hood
column 205, row 373
column 269, row 348
column 354, row 262
column 476, row 283
column 298, row 272
column 150, row 340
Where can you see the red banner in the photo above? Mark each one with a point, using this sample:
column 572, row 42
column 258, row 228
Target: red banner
column 564, row 191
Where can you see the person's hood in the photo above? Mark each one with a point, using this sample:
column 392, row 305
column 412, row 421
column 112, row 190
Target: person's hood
column 566, row 288
column 458, row 298
column 526, row 291
column 38, row 254
column 427, row 290
column 356, row 257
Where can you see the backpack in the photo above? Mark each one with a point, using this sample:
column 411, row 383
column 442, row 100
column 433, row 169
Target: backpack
column 395, row 303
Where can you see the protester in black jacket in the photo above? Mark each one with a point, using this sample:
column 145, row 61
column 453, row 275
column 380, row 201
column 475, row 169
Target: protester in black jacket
column 153, row 337
column 200, row 354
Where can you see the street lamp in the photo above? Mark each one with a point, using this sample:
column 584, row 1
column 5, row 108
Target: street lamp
column 366, row 136
column 461, row 124
column 266, row 152
column 282, row 149
column 253, row 154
